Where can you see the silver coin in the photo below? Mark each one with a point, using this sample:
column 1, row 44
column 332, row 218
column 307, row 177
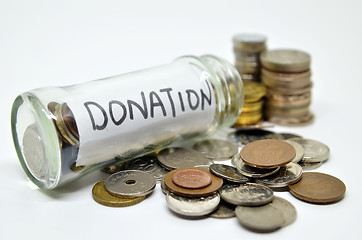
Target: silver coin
column 172, row 158
column 288, row 174
column 192, row 206
column 288, row 210
column 253, row 172
column 216, row 149
column 299, row 150
column 148, row 164
column 132, row 183
column 247, row 194
column 245, row 137
column 289, row 135
column 307, row 166
column 228, row 173
column 224, row 210
column 314, row 151
column 163, row 186
column 262, row 219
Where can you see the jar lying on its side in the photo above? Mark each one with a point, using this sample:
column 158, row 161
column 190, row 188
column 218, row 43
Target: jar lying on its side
column 61, row 133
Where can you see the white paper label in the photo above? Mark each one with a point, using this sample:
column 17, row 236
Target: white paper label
column 130, row 112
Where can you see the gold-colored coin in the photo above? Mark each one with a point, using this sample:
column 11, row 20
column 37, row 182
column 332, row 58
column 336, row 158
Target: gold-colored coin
column 101, row 196
column 249, row 118
column 254, row 91
column 253, row 106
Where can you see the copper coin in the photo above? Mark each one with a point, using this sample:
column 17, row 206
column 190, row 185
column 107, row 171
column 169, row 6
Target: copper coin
column 216, row 184
column 191, row 178
column 268, row 153
column 317, row 187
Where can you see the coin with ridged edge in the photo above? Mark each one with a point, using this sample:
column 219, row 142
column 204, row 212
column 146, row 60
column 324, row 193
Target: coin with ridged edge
column 192, row 206
column 131, row 183
column 101, row 196
column 246, row 194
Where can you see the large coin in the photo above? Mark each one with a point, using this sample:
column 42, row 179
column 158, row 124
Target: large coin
column 172, row 158
column 245, row 137
column 247, row 194
column 299, row 150
column 261, row 219
column 132, row 183
column 216, row 184
column 228, row 173
column 269, row 153
column 314, row 151
column 216, row 149
column 317, row 187
column 285, row 60
column 286, row 175
column 192, row 206
column 288, row 210
column 101, row 196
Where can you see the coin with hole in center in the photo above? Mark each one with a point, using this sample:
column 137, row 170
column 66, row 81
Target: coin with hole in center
column 216, row 149
column 228, row 173
column 268, row 153
column 246, row 194
column 191, row 178
column 317, row 187
column 131, row 183
column 192, row 206
column 101, row 196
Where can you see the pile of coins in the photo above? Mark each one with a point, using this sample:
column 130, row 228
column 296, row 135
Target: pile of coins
column 286, row 74
column 197, row 185
column 252, row 112
column 247, row 49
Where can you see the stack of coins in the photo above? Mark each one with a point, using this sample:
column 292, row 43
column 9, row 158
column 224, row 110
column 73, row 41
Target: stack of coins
column 247, row 49
column 252, row 112
column 286, row 74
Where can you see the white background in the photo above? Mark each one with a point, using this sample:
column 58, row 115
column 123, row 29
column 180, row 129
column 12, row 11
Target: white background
column 51, row 43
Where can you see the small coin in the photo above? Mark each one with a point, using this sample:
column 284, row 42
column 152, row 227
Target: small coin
column 115, row 167
column 191, row 178
column 268, row 153
column 299, row 150
column 314, row 151
column 228, row 173
column 148, row 164
column 216, row 149
column 285, row 60
column 261, row 219
column 216, row 184
column 253, row 172
column 132, row 183
column 254, row 91
column 245, row 137
column 224, row 210
column 192, row 206
column 101, row 196
column 317, row 187
column 288, row 210
column 286, row 175
column 246, row 194
column 172, row 158
column 307, row 166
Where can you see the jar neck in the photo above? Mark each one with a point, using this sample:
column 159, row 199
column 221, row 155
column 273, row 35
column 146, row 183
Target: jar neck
column 228, row 86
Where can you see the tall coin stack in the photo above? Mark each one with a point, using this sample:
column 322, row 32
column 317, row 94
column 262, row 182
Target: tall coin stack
column 286, row 74
column 252, row 111
column 247, row 49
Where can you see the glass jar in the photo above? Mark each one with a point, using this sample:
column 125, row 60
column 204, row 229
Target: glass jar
column 61, row 133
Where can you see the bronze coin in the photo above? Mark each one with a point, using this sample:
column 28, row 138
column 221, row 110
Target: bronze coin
column 216, row 184
column 318, row 187
column 268, row 153
column 191, row 178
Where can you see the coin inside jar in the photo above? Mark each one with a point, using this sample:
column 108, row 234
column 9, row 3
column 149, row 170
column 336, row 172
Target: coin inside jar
column 269, row 153
column 191, row 178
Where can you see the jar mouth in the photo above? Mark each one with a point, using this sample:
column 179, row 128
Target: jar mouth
column 36, row 141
